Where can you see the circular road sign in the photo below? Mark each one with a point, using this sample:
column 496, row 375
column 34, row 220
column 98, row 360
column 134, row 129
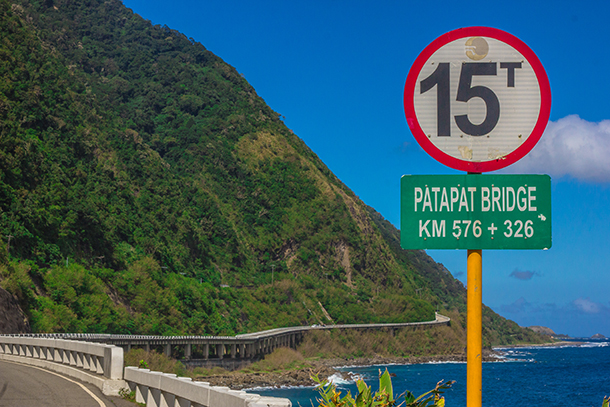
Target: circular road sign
column 477, row 99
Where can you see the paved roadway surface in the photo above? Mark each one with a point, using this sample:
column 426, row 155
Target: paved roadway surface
column 28, row 386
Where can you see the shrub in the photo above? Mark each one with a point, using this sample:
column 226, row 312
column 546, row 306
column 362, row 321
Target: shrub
column 154, row 361
column 384, row 397
column 279, row 359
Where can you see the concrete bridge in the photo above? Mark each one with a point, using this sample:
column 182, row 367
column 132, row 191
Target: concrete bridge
column 237, row 348
column 98, row 359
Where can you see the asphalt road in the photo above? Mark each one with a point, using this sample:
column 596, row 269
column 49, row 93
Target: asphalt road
column 26, row 386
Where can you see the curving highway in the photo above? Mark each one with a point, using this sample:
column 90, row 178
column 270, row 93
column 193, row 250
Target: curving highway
column 235, row 347
column 25, row 386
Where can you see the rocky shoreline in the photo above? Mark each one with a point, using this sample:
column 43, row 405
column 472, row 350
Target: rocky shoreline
column 293, row 378
column 538, row 345
column 324, row 368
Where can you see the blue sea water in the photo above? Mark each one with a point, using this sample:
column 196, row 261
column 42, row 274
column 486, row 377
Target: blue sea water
column 572, row 375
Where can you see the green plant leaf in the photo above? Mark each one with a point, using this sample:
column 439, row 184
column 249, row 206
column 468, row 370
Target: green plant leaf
column 364, row 394
column 385, row 385
column 409, row 398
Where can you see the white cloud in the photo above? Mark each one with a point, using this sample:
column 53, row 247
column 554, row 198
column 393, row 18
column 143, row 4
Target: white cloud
column 570, row 147
column 588, row 306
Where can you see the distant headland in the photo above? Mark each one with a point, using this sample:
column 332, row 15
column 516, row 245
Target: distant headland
column 548, row 331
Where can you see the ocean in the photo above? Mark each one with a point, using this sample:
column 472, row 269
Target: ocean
column 571, row 375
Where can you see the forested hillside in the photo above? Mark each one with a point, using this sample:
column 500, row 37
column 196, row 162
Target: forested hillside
column 146, row 188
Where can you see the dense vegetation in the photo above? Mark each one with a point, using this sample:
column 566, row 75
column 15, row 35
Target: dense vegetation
column 146, row 188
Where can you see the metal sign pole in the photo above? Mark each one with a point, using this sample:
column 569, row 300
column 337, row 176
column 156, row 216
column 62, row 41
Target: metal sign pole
column 474, row 350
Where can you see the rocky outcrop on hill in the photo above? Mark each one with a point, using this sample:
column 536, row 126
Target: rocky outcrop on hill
column 12, row 318
column 542, row 330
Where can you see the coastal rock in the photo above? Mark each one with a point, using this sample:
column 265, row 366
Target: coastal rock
column 598, row 336
column 239, row 380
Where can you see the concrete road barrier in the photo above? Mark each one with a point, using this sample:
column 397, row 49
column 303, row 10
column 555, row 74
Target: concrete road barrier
column 95, row 363
column 158, row 389
column 102, row 366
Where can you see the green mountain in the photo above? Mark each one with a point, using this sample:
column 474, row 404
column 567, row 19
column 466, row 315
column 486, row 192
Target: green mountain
column 146, row 188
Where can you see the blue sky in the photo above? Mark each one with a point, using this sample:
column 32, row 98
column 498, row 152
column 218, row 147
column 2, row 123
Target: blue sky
column 336, row 71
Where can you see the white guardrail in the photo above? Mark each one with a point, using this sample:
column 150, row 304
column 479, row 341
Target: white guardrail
column 158, row 389
column 102, row 366
column 95, row 363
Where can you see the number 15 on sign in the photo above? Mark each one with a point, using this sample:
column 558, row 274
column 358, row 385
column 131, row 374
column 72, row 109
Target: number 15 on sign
column 477, row 99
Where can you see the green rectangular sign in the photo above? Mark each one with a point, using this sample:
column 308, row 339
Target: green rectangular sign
column 475, row 211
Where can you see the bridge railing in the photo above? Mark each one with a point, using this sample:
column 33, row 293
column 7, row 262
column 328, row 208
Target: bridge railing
column 163, row 389
column 105, row 361
column 97, row 358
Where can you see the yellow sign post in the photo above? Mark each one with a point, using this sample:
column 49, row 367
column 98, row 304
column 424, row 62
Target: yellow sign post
column 474, row 333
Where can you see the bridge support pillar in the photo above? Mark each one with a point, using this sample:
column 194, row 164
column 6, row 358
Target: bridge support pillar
column 220, row 350
column 206, row 351
column 242, row 351
column 147, row 347
column 168, row 350
column 187, row 351
column 233, row 351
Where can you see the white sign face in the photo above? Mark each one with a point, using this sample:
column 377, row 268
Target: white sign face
column 477, row 99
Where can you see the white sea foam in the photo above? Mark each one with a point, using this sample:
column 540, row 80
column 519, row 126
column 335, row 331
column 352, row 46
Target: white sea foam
column 595, row 344
column 337, row 379
column 347, row 367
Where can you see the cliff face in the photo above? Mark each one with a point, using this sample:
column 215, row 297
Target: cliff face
column 12, row 318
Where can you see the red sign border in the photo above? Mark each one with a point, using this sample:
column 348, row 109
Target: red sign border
column 481, row 166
